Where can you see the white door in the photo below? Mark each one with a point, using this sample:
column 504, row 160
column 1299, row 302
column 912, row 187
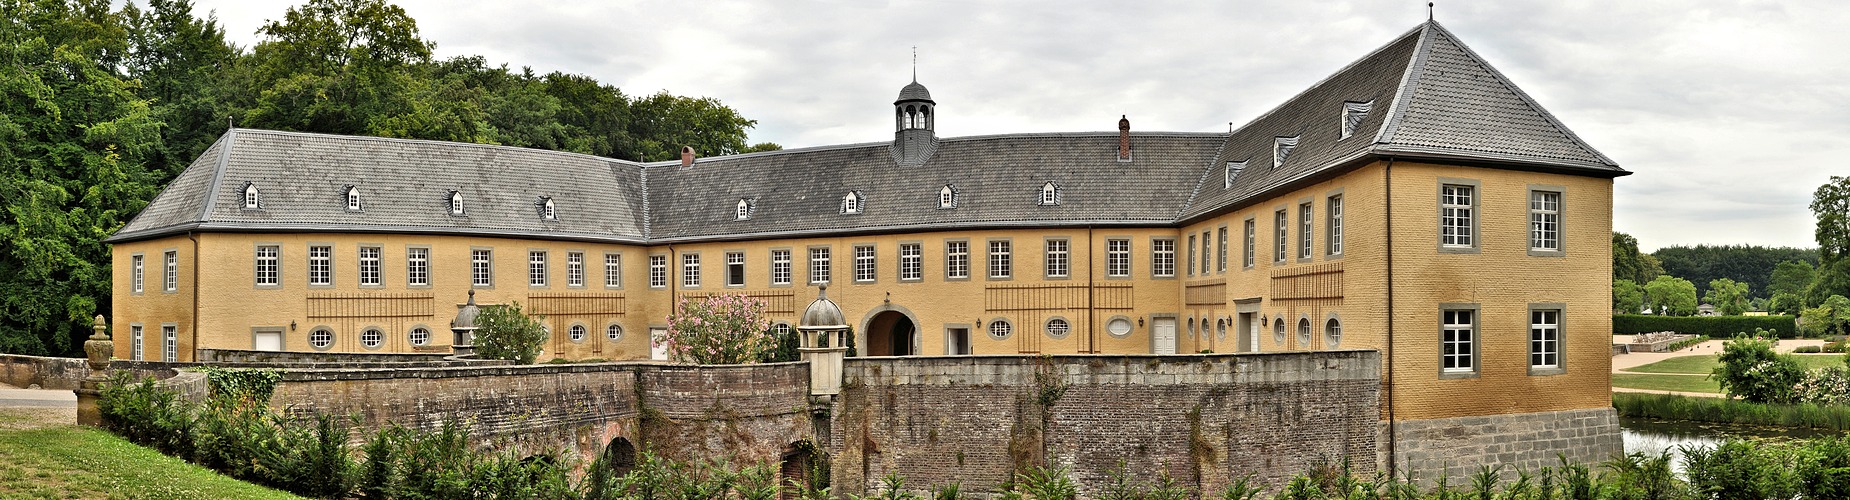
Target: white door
column 268, row 341
column 657, row 350
column 1163, row 335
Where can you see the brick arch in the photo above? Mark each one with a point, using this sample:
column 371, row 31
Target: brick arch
column 884, row 318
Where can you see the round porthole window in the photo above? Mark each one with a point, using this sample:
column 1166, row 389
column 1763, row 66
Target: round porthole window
column 420, row 336
column 613, row 332
column 1278, row 330
column 1000, row 329
column 1333, row 332
column 577, row 332
column 321, row 338
column 1058, row 328
column 1220, row 329
column 371, row 338
column 1118, row 327
column 1304, row 331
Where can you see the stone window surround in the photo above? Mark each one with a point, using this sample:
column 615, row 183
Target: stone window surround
column 1249, row 257
column 359, row 260
column 138, row 277
column 581, row 274
column 488, row 268
column 333, row 338
column 968, row 341
column 1047, row 257
column 613, row 280
column 990, row 264
column 1130, row 262
column 1332, row 342
column 918, row 247
column 137, row 341
column 277, row 260
column 282, row 334
column 1477, row 208
column 965, row 256
column 583, row 332
column 1155, row 255
column 1333, row 231
column 827, row 261
column 788, row 264
column 170, row 270
column 1127, row 320
column 872, row 260
column 170, row 341
column 1560, row 220
column 1220, row 250
column 1047, row 327
column 617, row 335
column 1307, row 230
column 990, row 328
column 373, row 328
column 740, row 261
column 411, row 335
column 1477, row 339
column 1281, row 234
column 544, row 263
column 658, row 261
column 427, row 259
column 1560, row 309
column 691, row 277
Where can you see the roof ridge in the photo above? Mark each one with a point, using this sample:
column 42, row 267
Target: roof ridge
column 1408, row 78
column 218, row 173
column 941, row 140
column 442, row 143
column 1514, row 89
column 1327, row 78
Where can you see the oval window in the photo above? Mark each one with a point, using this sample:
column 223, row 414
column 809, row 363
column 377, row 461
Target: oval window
column 1118, row 327
column 420, row 336
column 613, row 332
column 1058, row 328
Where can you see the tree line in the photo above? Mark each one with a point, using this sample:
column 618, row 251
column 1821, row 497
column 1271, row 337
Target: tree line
column 100, row 106
column 1810, row 283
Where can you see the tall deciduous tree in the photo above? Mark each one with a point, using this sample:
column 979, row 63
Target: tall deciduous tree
column 1791, row 276
column 1831, row 204
column 1630, row 264
column 179, row 60
column 1728, row 296
column 1627, row 297
column 1671, row 296
column 1742, row 263
column 345, row 67
column 73, row 139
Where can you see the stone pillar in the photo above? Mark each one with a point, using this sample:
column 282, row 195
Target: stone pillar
column 825, row 361
column 99, row 348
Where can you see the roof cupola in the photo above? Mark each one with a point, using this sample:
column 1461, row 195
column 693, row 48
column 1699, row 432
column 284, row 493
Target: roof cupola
column 914, row 122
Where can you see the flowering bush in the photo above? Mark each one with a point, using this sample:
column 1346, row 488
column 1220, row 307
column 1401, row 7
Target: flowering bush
column 1750, row 370
column 1825, row 386
column 504, row 332
column 725, row 329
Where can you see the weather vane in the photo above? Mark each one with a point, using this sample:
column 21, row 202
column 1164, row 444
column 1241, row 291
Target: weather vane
column 915, row 64
column 1428, row 11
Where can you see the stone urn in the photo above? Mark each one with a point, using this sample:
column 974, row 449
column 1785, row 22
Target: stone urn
column 99, row 349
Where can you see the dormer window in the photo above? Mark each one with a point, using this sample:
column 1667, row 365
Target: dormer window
column 1233, row 170
column 743, row 211
column 250, row 196
column 1050, row 195
column 1281, row 148
column 548, row 210
column 947, row 197
column 852, row 203
column 456, row 204
column 1353, row 114
column 353, row 198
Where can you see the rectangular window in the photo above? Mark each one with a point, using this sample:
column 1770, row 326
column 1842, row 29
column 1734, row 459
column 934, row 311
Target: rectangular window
column 1304, row 231
column 1455, row 216
column 1456, row 339
column 170, row 343
column 320, row 265
column 417, row 266
column 1191, row 255
column 613, row 270
column 1278, row 224
column 134, row 338
column 171, row 261
column 574, row 269
column 864, row 263
column 1204, row 253
column 1057, row 258
column 819, row 265
column 369, row 266
column 135, row 269
column 536, row 268
column 266, row 265
column 911, row 262
column 1118, row 258
column 1251, row 242
column 1545, row 338
column 1001, row 265
column 1545, row 221
column 956, row 259
column 1220, row 256
column 658, row 271
column 1334, row 211
column 735, row 268
column 780, row 267
column 1163, row 258
column 481, row 267
column 690, row 270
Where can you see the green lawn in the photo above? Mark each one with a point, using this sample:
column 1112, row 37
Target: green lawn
column 76, row 462
column 1704, row 364
column 1682, row 383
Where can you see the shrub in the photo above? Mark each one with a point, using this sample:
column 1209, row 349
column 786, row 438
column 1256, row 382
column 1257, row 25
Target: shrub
column 722, row 329
column 1807, row 349
column 1740, row 469
column 1713, row 326
column 1750, row 370
column 1833, row 347
column 146, row 414
column 504, row 332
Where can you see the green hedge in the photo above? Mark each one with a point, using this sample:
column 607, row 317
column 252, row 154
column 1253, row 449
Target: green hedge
column 1720, row 327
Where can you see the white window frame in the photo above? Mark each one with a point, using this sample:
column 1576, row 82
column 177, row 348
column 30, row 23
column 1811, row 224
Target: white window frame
column 372, row 337
column 735, row 268
column 135, row 342
column 852, row 203
column 353, row 199
column 171, row 262
column 415, row 338
column 313, row 332
column 957, row 259
column 1251, row 251
column 1050, row 195
column 575, row 269
column 690, row 270
column 1306, row 230
column 1231, row 172
column 1059, row 257
column 548, row 209
column 136, row 267
column 1458, row 216
column 1333, row 220
column 743, row 211
column 250, row 196
column 1191, row 254
column 1282, row 235
column 456, row 203
column 320, row 265
column 1458, row 328
column 1220, row 250
column 268, row 271
column 947, row 197
column 417, row 266
column 780, row 267
column 1353, row 114
column 613, row 270
column 1117, row 258
column 536, row 268
column 911, row 262
column 866, row 268
column 1163, row 257
column 819, row 265
column 170, row 343
column 1544, row 222
column 1001, row 259
column 481, row 267
column 658, row 271
column 1282, row 148
column 370, row 271
column 1545, row 340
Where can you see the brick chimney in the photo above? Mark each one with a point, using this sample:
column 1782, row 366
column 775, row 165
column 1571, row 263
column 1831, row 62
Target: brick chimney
column 687, row 156
column 1124, row 138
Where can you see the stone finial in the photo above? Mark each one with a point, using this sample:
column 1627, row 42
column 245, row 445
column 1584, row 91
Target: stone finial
column 99, row 348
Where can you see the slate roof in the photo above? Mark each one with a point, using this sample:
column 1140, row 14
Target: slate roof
column 913, row 92
column 1432, row 99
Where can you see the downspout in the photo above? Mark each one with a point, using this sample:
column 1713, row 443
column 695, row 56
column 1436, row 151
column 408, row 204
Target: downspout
column 1091, row 314
column 1393, row 430
column 194, row 326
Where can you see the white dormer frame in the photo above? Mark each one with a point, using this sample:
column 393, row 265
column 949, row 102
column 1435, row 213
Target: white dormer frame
column 1233, row 171
column 947, row 197
column 743, row 211
column 1281, row 149
column 1049, row 195
column 352, row 194
column 250, row 197
column 456, row 202
column 548, row 209
column 1353, row 114
column 853, row 203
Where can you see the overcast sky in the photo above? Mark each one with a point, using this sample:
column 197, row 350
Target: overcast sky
column 1729, row 113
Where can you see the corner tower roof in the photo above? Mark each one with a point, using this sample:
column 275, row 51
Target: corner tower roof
column 913, row 92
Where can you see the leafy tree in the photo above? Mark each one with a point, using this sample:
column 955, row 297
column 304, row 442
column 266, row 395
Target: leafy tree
column 1830, row 318
column 724, row 329
column 74, row 139
column 1750, row 370
column 1831, row 205
column 1627, row 297
column 1671, row 296
column 1728, row 296
column 179, row 60
column 504, row 332
column 346, row 67
column 1785, row 303
column 1792, row 276
column 1630, row 264
column 1749, row 264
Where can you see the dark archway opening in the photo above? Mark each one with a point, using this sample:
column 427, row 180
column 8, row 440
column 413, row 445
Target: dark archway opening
column 890, row 333
column 796, row 473
column 619, row 457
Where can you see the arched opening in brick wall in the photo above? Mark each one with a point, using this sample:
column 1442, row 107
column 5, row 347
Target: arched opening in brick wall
column 794, row 471
column 620, row 455
column 891, row 333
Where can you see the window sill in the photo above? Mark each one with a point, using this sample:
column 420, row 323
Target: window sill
column 1445, row 375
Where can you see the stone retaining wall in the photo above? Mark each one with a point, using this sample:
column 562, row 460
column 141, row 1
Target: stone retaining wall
column 47, row 373
column 1524, row 441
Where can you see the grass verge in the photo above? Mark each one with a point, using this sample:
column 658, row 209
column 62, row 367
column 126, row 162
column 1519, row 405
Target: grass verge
column 78, row 462
column 1705, row 409
column 1679, row 383
column 1705, row 363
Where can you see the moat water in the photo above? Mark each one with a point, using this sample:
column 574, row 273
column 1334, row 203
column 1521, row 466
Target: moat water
column 1653, row 436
